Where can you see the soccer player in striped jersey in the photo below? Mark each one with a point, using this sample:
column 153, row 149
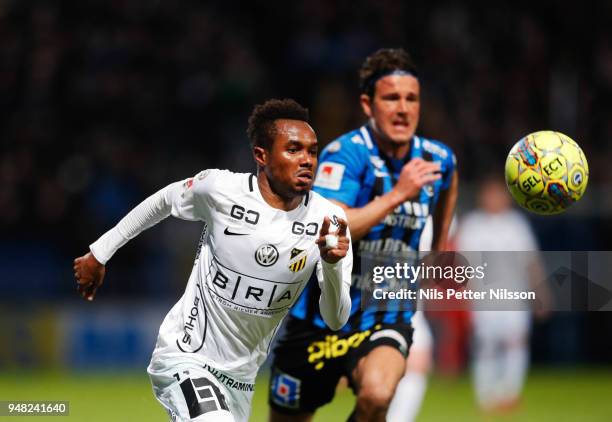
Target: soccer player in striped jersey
column 388, row 180
column 263, row 237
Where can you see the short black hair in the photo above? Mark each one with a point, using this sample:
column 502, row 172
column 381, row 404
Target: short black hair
column 261, row 130
column 383, row 61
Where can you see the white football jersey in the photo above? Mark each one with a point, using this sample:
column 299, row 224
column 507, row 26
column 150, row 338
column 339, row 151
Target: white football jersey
column 251, row 265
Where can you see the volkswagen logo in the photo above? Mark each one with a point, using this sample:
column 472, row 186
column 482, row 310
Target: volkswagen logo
column 266, row 255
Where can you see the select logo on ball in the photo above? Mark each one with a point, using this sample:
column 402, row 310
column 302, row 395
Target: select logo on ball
column 553, row 166
column 530, row 182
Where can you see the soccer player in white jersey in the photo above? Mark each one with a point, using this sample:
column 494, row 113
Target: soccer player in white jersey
column 264, row 235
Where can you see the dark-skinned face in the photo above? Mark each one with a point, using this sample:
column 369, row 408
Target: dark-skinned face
column 291, row 162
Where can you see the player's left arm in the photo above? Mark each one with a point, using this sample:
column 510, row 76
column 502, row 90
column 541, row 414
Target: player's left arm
column 334, row 274
column 179, row 199
column 443, row 214
column 89, row 269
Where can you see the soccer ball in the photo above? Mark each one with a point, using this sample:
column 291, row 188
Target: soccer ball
column 546, row 172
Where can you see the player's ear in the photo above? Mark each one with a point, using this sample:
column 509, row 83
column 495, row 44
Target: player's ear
column 366, row 104
column 260, row 154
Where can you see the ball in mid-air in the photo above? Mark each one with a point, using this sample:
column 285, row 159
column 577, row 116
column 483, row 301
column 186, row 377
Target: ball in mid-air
column 546, row 172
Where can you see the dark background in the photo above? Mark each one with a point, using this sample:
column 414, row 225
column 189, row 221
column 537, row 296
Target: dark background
column 104, row 102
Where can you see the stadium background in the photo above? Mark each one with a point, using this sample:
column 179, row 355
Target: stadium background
column 105, row 102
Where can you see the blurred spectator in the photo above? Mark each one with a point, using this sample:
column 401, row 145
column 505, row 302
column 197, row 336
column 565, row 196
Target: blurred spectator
column 501, row 336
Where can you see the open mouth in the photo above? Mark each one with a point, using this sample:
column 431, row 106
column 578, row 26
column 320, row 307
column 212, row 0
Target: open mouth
column 305, row 177
column 401, row 125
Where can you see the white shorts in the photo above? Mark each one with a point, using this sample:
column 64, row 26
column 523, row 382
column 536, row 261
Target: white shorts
column 501, row 326
column 190, row 392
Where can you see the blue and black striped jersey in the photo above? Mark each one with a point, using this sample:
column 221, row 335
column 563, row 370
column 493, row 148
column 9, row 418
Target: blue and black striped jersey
column 353, row 171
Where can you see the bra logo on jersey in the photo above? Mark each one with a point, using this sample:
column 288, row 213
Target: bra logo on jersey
column 266, row 255
column 240, row 213
column 297, row 260
column 255, row 296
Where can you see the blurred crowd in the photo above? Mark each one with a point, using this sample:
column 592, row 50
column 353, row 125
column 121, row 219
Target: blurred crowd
column 104, row 102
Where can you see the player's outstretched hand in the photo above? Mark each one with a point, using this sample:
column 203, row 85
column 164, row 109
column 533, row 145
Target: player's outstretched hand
column 89, row 274
column 333, row 246
column 414, row 175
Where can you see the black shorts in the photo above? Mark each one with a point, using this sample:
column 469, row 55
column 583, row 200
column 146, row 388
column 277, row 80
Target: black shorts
column 309, row 361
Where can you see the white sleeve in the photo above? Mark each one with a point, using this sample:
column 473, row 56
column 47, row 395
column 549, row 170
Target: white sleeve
column 335, row 284
column 178, row 199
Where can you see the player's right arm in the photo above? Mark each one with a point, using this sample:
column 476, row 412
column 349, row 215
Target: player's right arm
column 346, row 164
column 334, row 274
column 415, row 174
column 185, row 199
